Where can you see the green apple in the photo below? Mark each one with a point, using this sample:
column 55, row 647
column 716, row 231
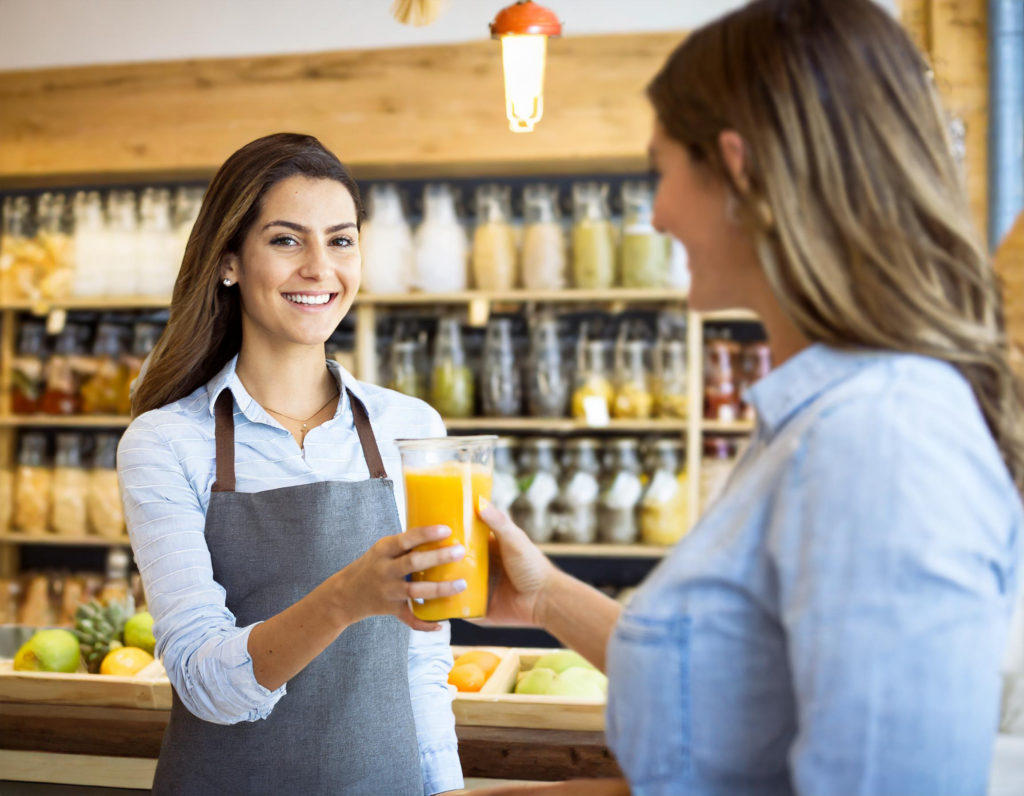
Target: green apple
column 579, row 682
column 48, row 651
column 559, row 661
column 536, row 681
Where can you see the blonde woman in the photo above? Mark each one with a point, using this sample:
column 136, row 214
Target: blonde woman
column 834, row 623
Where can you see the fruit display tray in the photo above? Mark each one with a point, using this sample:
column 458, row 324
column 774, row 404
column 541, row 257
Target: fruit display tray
column 495, row 704
column 150, row 688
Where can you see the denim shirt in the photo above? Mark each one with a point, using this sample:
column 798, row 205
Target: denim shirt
column 835, row 622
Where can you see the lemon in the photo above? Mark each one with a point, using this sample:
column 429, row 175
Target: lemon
column 48, row 651
column 125, row 661
column 138, row 632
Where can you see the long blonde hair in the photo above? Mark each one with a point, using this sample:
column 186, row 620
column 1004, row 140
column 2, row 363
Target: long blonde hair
column 205, row 326
column 856, row 203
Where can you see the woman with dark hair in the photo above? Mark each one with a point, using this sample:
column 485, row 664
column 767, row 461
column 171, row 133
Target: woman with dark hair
column 834, row 623
column 266, row 531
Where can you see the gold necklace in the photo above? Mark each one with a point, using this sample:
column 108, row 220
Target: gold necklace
column 299, row 419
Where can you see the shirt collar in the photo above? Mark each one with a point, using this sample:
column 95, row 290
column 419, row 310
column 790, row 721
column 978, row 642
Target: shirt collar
column 801, row 379
column 227, row 378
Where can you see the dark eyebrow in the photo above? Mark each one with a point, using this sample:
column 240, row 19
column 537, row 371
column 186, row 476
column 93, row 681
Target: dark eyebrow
column 300, row 228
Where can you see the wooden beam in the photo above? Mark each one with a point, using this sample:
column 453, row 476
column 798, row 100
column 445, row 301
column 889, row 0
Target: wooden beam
column 1009, row 263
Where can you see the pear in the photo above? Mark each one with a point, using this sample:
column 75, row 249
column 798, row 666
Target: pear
column 559, row 661
column 536, row 681
column 579, row 682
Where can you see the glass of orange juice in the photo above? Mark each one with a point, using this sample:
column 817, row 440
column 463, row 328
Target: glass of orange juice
column 445, row 477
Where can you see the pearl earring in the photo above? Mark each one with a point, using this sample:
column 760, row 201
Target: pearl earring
column 227, row 283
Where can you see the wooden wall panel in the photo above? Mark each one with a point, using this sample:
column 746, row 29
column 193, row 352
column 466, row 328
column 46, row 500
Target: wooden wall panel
column 1009, row 261
column 407, row 110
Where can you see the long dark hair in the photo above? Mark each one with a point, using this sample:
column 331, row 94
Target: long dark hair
column 205, row 326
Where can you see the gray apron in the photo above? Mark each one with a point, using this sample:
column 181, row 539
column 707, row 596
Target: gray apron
column 346, row 724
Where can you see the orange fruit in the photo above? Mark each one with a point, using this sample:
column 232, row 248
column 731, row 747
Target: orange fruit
column 487, row 661
column 467, row 677
column 125, row 661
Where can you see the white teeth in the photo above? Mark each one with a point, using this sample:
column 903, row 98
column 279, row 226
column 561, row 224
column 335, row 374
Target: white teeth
column 301, row 298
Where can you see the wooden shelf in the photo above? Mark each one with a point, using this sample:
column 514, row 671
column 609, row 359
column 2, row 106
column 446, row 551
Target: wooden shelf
column 611, row 295
column 65, row 421
column 722, row 427
column 604, row 550
column 94, row 303
column 12, row 537
column 552, row 425
column 726, row 316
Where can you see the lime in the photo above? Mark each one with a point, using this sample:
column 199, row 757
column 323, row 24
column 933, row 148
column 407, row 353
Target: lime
column 138, row 632
column 48, row 651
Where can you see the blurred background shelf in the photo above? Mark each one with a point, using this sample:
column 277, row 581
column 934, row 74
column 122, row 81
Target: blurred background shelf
column 13, row 537
column 556, row 550
column 727, row 427
column 659, row 296
column 64, row 421
column 551, row 425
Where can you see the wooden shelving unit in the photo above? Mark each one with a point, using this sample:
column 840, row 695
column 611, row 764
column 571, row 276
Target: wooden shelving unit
column 556, row 550
column 15, row 538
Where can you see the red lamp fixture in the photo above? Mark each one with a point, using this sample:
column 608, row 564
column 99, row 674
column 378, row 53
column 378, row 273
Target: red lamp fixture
column 523, row 29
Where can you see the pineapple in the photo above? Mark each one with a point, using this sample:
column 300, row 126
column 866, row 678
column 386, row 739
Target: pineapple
column 100, row 629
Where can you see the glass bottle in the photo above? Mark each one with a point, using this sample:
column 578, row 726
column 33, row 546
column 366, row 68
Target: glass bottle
column 27, row 369
column 55, row 271
column 644, row 251
column 500, row 389
column 451, row 386
column 755, row 364
column 543, row 258
column 116, row 586
column 494, row 244
column 621, row 489
column 575, row 508
column 18, row 250
column 633, row 397
column 593, row 237
column 104, row 390
column 440, row 247
column 664, row 517
column 385, row 242
column 505, row 487
column 670, row 379
column 721, row 397
column 715, row 467
column 187, row 202
column 538, row 488
column 678, row 266
column 144, row 338
column 406, row 373
column 61, row 394
column 70, row 487
column 123, row 267
column 33, row 481
column 156, row 245
column 103, row 505
column 593, row 393
column 548, row 382
column 91, row 246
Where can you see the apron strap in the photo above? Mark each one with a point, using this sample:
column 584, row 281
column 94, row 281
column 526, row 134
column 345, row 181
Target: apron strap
column 224, row 434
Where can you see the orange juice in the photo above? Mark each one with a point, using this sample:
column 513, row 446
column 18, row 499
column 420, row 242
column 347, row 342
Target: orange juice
column 447, row 493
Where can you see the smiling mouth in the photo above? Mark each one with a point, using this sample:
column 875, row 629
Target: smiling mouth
column 309, row 299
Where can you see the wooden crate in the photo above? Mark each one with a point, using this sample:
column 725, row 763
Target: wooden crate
column 496, row 706
column 150, row 688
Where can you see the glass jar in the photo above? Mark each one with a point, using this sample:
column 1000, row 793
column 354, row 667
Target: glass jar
column 451, row 386
column 500, row 389
column 538, row 488
column 755, row 364
column 6, row 500
column 593, row 237
column 505, row 487
column 494, row 244
column 91, row 244
column 621, row 489
column 103, row 499
column 593, row 393
column 633, row 397
column 575, row 508
column 406, row 371
column 439, row 246
column 664, row 516
column 188, row 200
column 547, row 380
column 645, row 252
column 125, row 273
column 103, row 392
column 70, row 487
column 385, row 242
column 678, row 266
column 33, row 481
column 543, row 239
column 144, row 339
column 671, row 397
column 60, row 397
column 156, row 243
column 54, row 271
column 721, row 397
column 28, row 368
column 19, row 253
column 717, row 464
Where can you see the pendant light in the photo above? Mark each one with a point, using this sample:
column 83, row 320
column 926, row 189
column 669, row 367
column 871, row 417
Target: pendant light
column 524, row 29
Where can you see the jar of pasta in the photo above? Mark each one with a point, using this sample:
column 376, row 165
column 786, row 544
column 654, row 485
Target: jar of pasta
column 33, row 482
column 103, row 498
column 70, row 487
column 593, row 237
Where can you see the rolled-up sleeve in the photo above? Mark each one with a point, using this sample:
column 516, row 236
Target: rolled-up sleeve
column 203, row 650
column 892, row 556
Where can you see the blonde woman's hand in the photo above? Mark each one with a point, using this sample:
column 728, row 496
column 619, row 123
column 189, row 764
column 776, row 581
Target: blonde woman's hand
column 375, row 583
column 520, row 572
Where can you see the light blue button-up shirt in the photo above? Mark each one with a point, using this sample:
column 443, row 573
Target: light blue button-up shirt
column 166, row 468
column 835, row 622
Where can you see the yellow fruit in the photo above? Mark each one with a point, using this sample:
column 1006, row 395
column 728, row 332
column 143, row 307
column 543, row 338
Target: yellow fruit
column 48, row 651
column 138, row 632
column 467, row 677
column 125, row 661
column 487, row 661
